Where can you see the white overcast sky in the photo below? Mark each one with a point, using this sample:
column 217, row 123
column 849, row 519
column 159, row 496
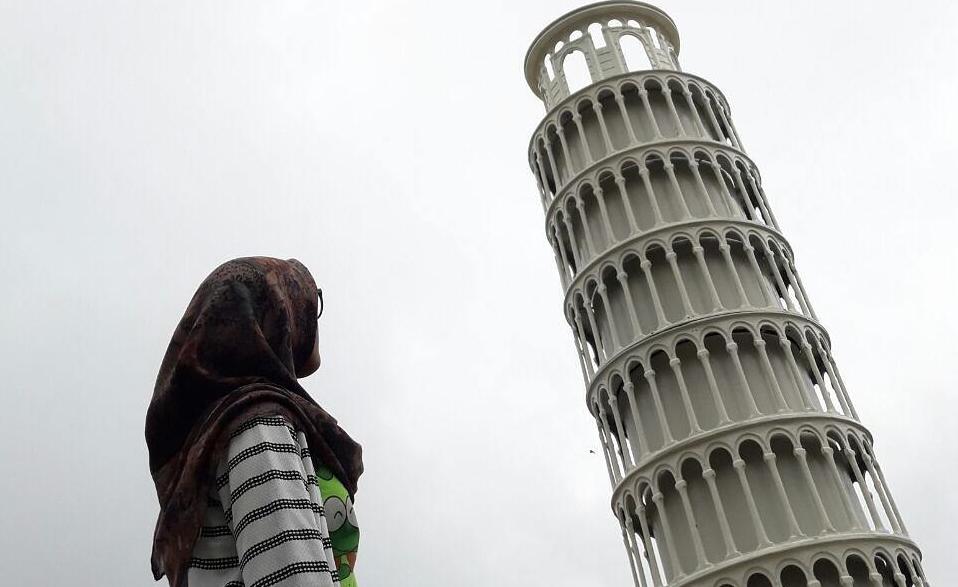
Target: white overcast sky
column 384, row 144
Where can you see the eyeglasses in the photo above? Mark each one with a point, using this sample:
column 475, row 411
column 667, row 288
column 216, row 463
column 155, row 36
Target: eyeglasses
column 319, row 293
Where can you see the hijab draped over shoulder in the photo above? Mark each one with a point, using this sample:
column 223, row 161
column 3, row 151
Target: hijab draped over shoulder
column 233, row 356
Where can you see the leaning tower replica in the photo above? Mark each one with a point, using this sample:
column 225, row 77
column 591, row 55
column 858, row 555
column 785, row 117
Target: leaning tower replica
column 735, row 454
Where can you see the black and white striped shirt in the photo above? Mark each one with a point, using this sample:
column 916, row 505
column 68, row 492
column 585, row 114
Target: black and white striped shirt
column 265, row 523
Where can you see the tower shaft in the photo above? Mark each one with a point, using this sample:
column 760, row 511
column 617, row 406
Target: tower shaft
column 735, row 453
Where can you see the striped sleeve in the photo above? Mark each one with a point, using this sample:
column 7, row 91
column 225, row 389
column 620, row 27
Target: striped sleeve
column 273, row 513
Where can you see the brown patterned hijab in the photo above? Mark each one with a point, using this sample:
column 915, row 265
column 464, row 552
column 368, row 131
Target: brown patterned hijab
column 233, row 356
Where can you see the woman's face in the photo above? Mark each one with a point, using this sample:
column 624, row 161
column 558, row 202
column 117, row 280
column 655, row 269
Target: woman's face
column 312, row 363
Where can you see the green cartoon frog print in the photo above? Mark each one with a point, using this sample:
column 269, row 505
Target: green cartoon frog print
column 341, row 520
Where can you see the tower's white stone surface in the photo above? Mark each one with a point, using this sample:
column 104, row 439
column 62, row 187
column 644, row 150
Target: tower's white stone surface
column 735, row 453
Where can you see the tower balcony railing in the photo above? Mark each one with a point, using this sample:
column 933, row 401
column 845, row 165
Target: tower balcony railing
column 713, row 374
column 713, row 271
column 623, row 112
column 777, row 488
column 846, row 560
column 664, row 281
column 647, row 189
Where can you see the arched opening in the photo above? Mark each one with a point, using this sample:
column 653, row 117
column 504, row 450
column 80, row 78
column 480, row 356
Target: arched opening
column 905, row 570
column 822, row 382
column 618, row 307
column 576, row 230
column 594, row 218
column 703, row 510
column 576, row 71
column 614, row 124
column 858, row 570
column 652, row 418
column 545, row 166
column 668, row 199
column 643, row 557
column 727, row 382
column 642, row 202
column 758, row 580
column 870, row 484
column 757, row 391
column 615, row 205
column 598, row 37
column 565, row 244
column 719, row 271
column 661, row 105
column 683, row 109
column 689, row 188
column 654, row 37
column 774, row 282
column 665, row 283
column 619, row 446
column 640, row 292
column 711, row 179
column 625, row 416
column 749, row 183
column 718, row 114
column 764, row 491
column 803, row 388
column 657, row 555
column 849, row 480
column 829, row 490
column 597, row 306
column 560, row 255
column 735, row 203
column 671, row 511
column 694, row 265
column 732, row 497
column 671, row 396
column 592, row 350
column 577, row 156
column 792, row 576
column 799, row 494
column 748, row 290
column 781, row 372
column 595, row 136
column 885, row 569
column 827, row 574
column 634, row 53
column 705, row 404
column 556, row 155
column 702, row 107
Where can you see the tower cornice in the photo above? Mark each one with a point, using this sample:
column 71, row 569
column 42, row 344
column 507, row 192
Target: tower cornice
column 690, row 329
column 663, row 234
column 640, row 148
column 671, row 456
column 616, row 82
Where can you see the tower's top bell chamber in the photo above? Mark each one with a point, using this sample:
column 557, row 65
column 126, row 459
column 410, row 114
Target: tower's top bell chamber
column 609, row 38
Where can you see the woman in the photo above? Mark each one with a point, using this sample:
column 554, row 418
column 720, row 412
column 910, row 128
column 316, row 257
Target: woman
column 255, row 480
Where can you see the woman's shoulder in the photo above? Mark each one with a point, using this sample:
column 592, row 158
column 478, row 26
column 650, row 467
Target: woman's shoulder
column 268, row 428
column 258, row 439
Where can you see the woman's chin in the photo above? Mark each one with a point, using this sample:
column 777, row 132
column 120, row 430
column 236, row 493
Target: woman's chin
column 309, row 368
